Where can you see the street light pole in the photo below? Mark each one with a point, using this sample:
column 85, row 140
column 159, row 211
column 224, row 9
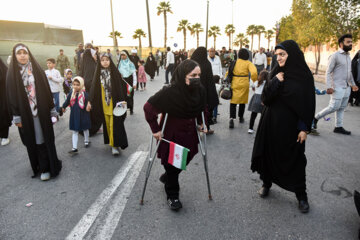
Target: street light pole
column 149, row 28
column 112, row 22
column 207, row 25
column 232, row 22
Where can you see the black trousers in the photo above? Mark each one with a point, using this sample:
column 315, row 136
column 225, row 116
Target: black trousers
column 40, row 156
column 169, row 69
column 233, row 110
column 157, row 70
column 143, row 84
column 4, row 133
column 252, row 120
column 130, row 101
column 172, row 187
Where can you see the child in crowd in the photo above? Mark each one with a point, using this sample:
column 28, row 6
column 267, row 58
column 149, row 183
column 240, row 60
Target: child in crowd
column 256, row 106
column 79, row 117
column 67, row 84
column 218, row 87
column 55, row 80
column 141, row 75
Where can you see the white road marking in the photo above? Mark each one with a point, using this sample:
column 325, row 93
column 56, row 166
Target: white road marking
column 136, row 160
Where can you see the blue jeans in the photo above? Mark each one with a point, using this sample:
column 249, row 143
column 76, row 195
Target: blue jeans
column 170, row 69
column 56, row 100
column 215, row 112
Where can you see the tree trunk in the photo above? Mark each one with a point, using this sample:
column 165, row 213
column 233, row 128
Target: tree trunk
column 140, row 46
column 259, row 41
column 241, row 43
column 214, row 42
column 252, row 41
column 269, row 44
column 184, row 31
column 197, row 39
column 317, row 56
column 165, row 23
column 229, row 41
column 116, row 42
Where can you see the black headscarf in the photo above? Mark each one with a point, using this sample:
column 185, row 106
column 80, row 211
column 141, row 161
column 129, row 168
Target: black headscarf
column 87, row 68
column 177, row 99
column 298, row 91
column 5, row 119
column 200, row 56
column 243, row 54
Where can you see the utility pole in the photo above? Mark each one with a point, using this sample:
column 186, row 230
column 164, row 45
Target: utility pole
column 232, row 22
column 207, row 25
column 112, row 22
column 149, row 28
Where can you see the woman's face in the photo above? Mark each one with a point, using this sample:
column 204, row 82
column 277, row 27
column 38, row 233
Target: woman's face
column 195, row 73
column 105, row 62
column 76, row 86
column 22, row 56
column 282, row 55
column 123, row 57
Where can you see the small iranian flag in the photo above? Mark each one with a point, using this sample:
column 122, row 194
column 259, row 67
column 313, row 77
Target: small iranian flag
column 178, row 156
column 128, row 89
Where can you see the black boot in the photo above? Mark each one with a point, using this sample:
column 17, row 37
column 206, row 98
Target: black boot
column 264, row 192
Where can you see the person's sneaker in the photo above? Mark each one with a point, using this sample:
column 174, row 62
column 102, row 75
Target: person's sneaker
column 231, row 123
column 5, row 141
column 45, row 176
column 341, row 130
column 174, row 203
column 250, row 131
column 73, row 151
column 315, row 121
column 163, row 178
column 304, row 206
column 131, row 112
column 87, row 144
column 115, row 151
column 241, row 120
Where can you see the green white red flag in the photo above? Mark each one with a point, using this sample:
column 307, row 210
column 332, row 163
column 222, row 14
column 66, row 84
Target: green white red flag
column 178, row 156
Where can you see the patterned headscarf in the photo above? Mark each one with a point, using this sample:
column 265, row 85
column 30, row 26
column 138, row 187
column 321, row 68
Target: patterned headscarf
column 81, row 94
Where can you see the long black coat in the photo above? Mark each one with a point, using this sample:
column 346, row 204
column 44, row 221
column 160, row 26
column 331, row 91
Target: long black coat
column 5, row 119
column 19, row 106
column 150, row 66
column 87, row 69
column 118, row 94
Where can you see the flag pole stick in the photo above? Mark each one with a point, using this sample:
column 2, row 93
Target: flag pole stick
column 151, row 160
column 203, row 150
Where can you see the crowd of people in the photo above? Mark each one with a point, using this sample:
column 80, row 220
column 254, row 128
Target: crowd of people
column 284, row 95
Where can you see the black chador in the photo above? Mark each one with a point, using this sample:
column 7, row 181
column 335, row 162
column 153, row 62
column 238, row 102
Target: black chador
column 5, row 119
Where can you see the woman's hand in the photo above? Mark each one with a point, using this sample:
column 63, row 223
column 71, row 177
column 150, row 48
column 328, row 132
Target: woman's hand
column 280, row 76
column 202, row 129
column 88, row 107
column 302, row 137
column 18, row 125
column 157, row 135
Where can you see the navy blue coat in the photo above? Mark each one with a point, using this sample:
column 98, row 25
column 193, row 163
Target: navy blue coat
column 79, row 118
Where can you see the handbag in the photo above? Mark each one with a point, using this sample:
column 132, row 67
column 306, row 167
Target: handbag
column 226, row 91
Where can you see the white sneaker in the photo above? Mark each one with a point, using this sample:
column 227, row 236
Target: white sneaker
column 5, row 141
column 250, row 131
column 45, row 176
column 115, row 151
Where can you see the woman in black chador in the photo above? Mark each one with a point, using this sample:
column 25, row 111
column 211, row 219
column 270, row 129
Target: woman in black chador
column 5, row 119
column 279, row 148
column 151, row 66
column 32, row 107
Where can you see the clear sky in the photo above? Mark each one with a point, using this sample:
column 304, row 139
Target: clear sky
column 93, row 17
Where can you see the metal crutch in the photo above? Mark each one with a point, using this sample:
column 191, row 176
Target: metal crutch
column 151, row 160
column 203, row 150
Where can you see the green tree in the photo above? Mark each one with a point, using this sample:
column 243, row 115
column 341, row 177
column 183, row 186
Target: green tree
column 269, row 34
column 183, row 26
column 164, row 8
column 117, row 35
column 196, row 29
column 302, row 15
column 229, row 31
column 138, row 34
column 259, row 29
column 241, row 40
column 214, row 31
column 251, row 31
column 287, row 29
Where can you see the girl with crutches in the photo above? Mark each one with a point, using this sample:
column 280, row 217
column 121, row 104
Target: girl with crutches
column 184, row 101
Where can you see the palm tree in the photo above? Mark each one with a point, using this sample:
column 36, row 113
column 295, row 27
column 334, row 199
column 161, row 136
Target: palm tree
column 229, row 30
column 260, row 29
column 137, row 35
column 183, row 26
column 164, row 8
column 269, row 34
column 214, row 31
column 241, row 40
column 251, row 31
column 117, row 35
column 196, row 29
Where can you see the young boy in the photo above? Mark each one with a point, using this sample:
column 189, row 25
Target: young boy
column 55, row 81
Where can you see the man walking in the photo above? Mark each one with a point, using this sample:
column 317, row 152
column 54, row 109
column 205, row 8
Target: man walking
column 62, row 62
column 260, row 60
column 215, row 63
column 339, row 82
column 170, row 61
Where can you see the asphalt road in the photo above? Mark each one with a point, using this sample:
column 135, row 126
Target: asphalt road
column 96, row 196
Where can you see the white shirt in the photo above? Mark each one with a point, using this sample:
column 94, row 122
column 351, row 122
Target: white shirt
column 258, row 89
column 260, row 59
column 170, row 58
column 216, row 65
column 55, row 81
